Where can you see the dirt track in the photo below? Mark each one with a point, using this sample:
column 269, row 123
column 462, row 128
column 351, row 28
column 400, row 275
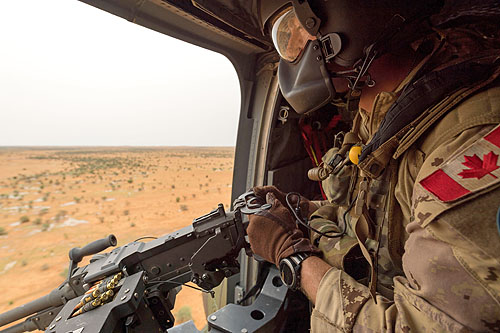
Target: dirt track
column 53, row 200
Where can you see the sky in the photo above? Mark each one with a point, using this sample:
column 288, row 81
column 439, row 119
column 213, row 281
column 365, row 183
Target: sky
column 71, row 74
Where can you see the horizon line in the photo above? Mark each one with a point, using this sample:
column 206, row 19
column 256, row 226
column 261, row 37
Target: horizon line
column 110, row 146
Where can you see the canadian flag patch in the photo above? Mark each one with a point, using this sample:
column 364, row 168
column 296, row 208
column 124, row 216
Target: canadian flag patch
column 475, row 168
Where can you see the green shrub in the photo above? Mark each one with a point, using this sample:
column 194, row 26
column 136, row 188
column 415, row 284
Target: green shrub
column 24, row 219
column 2, row 231
column 183, row 315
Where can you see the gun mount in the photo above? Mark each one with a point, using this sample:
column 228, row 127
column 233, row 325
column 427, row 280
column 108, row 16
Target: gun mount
column 133, row 287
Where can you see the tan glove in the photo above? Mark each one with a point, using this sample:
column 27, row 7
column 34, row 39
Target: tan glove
column 273, row 234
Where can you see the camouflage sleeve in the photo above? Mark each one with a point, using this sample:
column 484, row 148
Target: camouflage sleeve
column 450, row 285
column 451, row 263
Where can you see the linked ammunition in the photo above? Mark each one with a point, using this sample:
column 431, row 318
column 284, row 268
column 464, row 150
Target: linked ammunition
column 105, row 287
column 87, row 307
column 85, row 299
column 107, row 296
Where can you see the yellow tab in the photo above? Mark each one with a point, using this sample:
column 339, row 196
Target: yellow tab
column 354, row 154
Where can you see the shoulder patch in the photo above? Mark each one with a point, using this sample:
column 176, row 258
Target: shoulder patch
column 473, row 169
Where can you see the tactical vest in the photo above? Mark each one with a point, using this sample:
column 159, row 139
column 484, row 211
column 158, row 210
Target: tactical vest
column 372, row 203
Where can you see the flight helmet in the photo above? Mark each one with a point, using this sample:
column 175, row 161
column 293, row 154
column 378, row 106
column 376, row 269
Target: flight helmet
column 311, row 35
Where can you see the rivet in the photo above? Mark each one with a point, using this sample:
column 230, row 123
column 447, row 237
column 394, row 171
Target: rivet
column 126, row 291
column 58, row 318
column 213, row 317
column 123, row 297
column 136, row 295
column 315, row 47
column 52, row 326
column 310, row 22
column 319, row 58
column 244, row 330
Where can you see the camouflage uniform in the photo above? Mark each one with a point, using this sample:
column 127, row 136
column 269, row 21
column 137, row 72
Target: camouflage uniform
column 437, row 255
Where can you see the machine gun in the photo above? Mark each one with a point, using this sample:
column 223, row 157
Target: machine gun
column 133, row 287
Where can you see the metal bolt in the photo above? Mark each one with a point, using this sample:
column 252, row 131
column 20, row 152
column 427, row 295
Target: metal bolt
column 123, row 297
column 244, row 330
column 155, row 270
column 126, row 291
column 51, row 313
column 37, row 318
column 315, row 47
column 58, row 318
column 52, row 326
column 181, row 259
column 310, row 22
column 319, row 58
column 136, row 295
column 205, row 276
column 145, row 279
column 213, row 317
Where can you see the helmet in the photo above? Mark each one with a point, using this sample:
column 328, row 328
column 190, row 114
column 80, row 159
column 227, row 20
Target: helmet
column 309, row 34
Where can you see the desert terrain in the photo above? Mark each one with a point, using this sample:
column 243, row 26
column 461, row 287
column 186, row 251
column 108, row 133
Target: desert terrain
column 54, row 199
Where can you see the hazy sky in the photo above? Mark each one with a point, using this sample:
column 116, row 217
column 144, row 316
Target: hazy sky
column 71, row 74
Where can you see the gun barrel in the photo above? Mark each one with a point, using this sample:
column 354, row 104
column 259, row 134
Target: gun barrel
column 25, row 326
column 54, row 298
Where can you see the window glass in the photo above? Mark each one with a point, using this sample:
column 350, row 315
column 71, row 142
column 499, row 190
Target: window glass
column 105, row 127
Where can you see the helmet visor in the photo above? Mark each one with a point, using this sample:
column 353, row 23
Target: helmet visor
column 289, row 37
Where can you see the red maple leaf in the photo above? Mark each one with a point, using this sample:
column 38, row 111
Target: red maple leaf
column 479, row 168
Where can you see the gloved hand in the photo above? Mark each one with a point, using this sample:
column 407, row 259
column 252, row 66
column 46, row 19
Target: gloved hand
column 273, row 234
column 307, row 207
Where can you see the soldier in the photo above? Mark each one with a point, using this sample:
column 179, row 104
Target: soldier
column 408, row 241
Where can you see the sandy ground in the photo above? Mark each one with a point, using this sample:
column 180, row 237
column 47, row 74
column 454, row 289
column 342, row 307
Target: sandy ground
column 54, row 199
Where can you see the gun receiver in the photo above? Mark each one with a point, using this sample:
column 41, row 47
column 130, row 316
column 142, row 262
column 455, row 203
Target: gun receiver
column 140, row 280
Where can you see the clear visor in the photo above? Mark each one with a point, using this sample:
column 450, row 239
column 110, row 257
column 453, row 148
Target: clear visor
column 289, row 37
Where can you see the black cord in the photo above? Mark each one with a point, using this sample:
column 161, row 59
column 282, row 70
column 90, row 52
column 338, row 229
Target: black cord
column 145, row 237
column 304, row 222
column 211, row 292
column 258, row 284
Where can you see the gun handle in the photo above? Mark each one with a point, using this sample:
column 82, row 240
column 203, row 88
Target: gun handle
column 76, row 254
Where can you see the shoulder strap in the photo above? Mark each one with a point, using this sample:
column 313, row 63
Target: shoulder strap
column 443, row 90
